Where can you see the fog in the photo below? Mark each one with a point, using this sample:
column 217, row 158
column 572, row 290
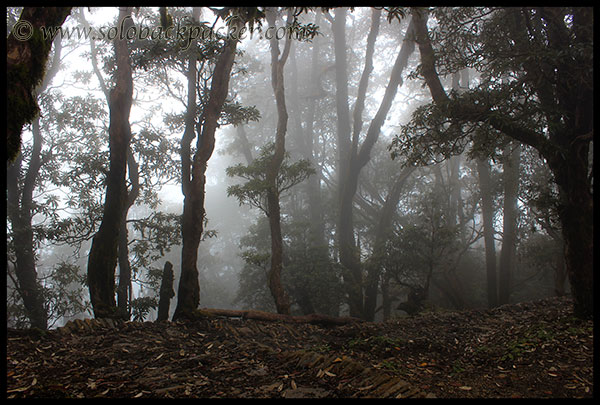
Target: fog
column 387, row 204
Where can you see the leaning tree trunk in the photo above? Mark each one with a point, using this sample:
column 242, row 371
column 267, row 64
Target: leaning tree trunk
column 25, row 67
column 103, row 252
column 194, row 182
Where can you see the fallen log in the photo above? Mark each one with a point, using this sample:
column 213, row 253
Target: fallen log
column 315, row 319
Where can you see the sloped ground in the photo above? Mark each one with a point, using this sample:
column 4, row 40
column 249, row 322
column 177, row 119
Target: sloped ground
column 535, row 349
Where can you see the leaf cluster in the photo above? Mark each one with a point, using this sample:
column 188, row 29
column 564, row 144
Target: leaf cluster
column 254, row 191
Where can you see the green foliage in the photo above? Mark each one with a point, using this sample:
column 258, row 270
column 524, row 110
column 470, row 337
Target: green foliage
column 141, row 307
column 424, row 244
column 63, row 292
column 504, row 46
column 236, row 114
column 254, row 191
column 309, row 274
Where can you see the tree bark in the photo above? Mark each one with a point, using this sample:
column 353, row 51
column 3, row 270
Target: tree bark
column 104, row 250
column 487, row 213
column 278, row 292
column 25, row 68
column 382, row 233
column 124, row 291
column 20, row 204
column 188, row 296
column 313, row 183
column 22, row 234
column 511, row 213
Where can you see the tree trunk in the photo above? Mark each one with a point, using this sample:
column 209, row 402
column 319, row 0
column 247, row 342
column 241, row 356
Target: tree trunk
column 487, row 213
column 103, row 252
column 576, row 212
column 382, row 233
column 22, row 238
column 277, row 63
column 166, row 292
column 511, row 214
column 124, row 287
column 25, row 67
column 124, row 292
column 348, row 254
column 353, row 158
column 20, row 215
column 313, row 183
column 188, row 296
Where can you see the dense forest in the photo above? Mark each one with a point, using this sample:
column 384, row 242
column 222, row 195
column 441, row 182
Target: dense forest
column 355, row 163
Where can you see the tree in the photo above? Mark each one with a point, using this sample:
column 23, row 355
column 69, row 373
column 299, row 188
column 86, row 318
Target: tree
column 256, row 192
column 194, row 179
column 545, row 101
column 510, row 216
column 25, row 68
column 104, row 250
column 382, row 234
column 277, row 64
column 20, row 211
column 353, row 158
column 487, row 213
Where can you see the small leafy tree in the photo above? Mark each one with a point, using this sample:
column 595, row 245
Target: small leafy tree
column 254, row 191
column 258, row 191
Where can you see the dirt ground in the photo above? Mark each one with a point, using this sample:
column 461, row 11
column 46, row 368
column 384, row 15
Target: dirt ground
column 535, row 349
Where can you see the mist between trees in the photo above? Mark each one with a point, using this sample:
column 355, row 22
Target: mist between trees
column 367, row 162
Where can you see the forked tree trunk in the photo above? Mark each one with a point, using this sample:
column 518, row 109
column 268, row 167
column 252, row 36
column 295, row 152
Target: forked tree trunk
column 194, row 180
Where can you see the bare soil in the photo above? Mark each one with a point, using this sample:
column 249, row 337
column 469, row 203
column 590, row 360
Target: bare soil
column 532, row 350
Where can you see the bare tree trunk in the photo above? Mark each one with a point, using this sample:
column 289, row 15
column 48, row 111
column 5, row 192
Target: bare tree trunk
column 193, row 183
column 277, row 63
column 313, row 183
column 511, row 214
column 487, row 212
column 103, row 252
column 124, row 292
column 382, row 233
column 19, row 214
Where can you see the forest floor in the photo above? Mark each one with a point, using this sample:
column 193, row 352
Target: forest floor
column 533, row 349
